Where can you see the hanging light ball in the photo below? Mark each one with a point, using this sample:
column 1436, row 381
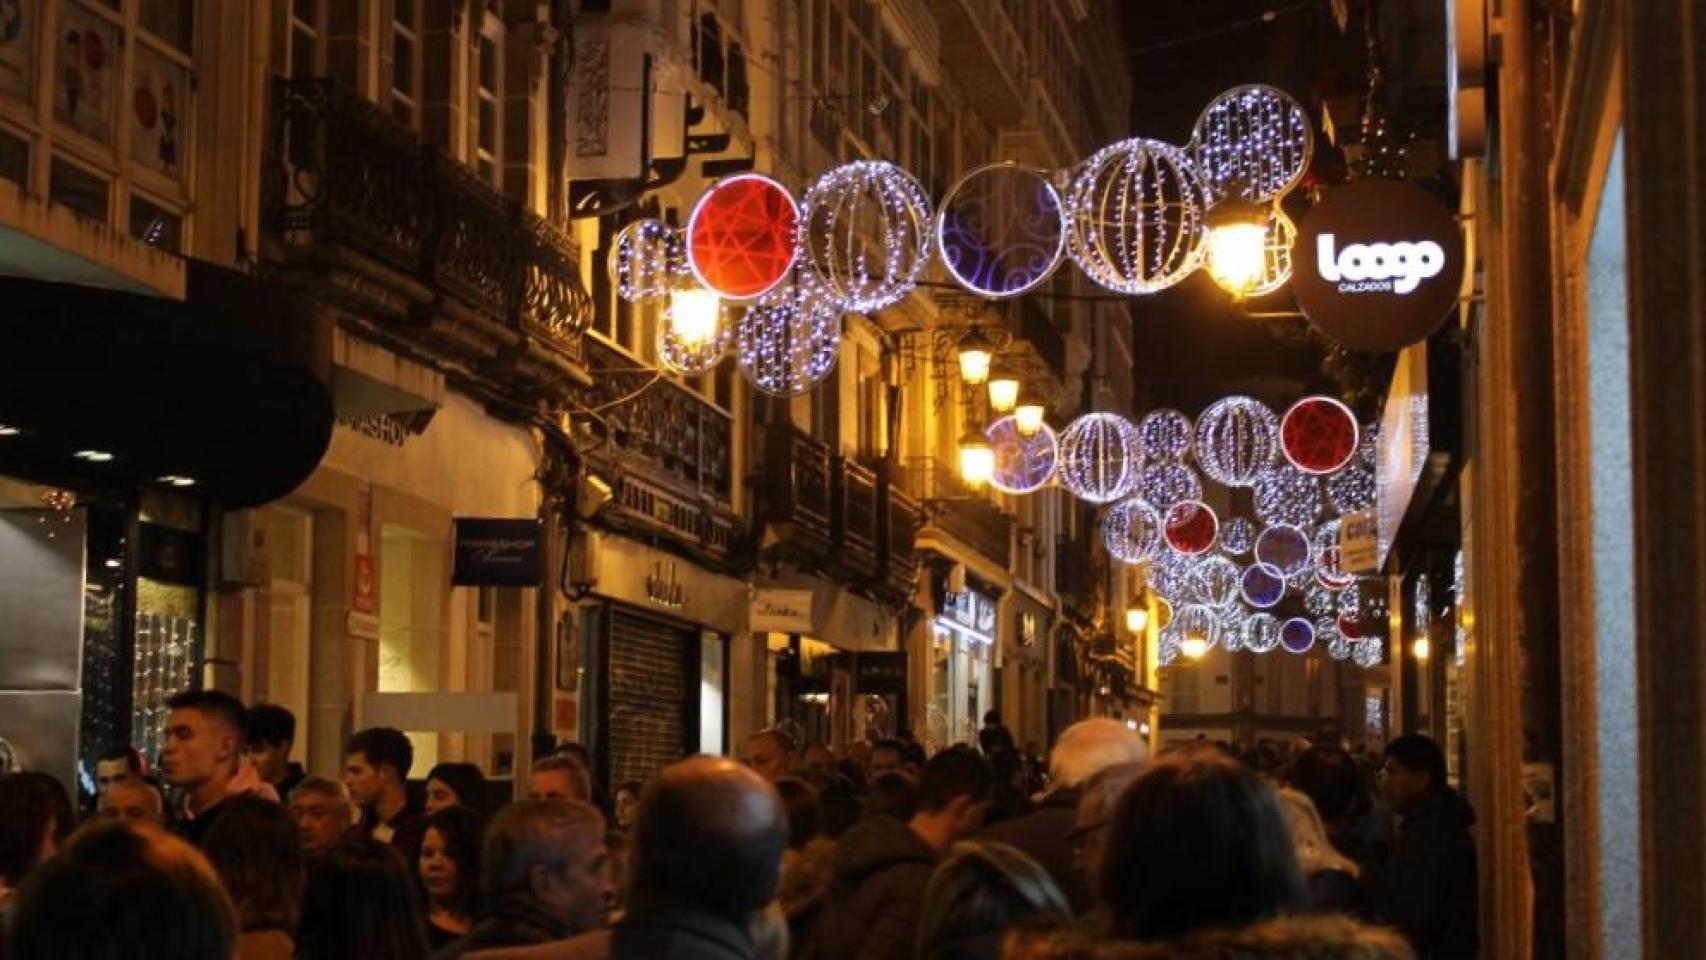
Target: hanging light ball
column 1368, row 448
column 1318, row 434
column 1369, row 653
column 787, row 343
column 1338, row 645
column 1285, row 547
column 1350, row 598
column 1252, row 143
column 1328, row 572
column 1131, row 530
column 1261, row 633
column 1165, row 435
column 1190, row 527
column 866, row 233
column 1023, row 463
column 1320, row 601
column 1233, row 621
column 1349, row 624
column 1135, row 216
column 1237, row 536
column 1236, row 438
column 1262, row 585
column 1168, row 574
column 647, row 260
column 1351, row 489
column 1001, row 230
column 1167, row 648
column 1164, row 484
column 693, row 334
column 1285, row 494
column 1297, row 635
column 1099, row 458
column 1197, row 624
column 742, row 236
column 1214, row 582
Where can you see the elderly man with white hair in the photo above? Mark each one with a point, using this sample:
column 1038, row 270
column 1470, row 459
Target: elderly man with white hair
column 1048, row 833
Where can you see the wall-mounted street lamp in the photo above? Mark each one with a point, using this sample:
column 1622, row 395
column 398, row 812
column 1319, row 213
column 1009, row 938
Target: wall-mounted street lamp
column 976, row 352
column 977, row 460
column 1028, row 415
column 1136, row 618
column 1003, row 391
column 694, row 315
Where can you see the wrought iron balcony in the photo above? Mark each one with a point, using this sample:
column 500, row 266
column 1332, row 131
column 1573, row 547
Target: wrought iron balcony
column 798, row 493
column 956, row 510
column 350, row 184
column 901, row 518
column 854, row 530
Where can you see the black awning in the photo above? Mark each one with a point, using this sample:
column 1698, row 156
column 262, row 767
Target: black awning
column 230, row 386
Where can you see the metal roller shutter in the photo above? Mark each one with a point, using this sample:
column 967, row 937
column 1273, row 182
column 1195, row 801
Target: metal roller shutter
column 646, row 682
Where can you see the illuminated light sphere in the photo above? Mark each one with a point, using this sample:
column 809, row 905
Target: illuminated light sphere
column 787, row 343
column 1351, row 489
column 1285, row 547
column 1252, row 143
column 1285, row 494
column 693, row 336
column 1349, row 625
column 866, row 233
column 1023, row 464
column 1001, row 230
column 1169, row 573
column 1350, row 599
column 743, row 236
column 1164, row 484
column 1190, row 527
column 1320, row 601
column 1369, row 653
column 1318, row 435
column 1368, row 448
column 1338, row 645
column 646, row 260
column 1262, row 585
column 1232, row 624
column 1163, row 612
column 1135, row 216
column 1099, row 458
column 1165, row 435
column 1297, row 635
column 1261, row 633
column 1131, row 530
column 1236, row 439
column 1237, row 536
column 1197, row 623
column 1167, row 649
column 1328, row 572
column 1214, row 582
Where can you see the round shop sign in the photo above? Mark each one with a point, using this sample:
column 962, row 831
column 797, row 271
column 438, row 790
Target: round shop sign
column 1378, row 264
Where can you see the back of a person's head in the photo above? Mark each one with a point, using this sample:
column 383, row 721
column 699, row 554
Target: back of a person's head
column 361, row 902
column 1420, row 753
column 709, row 832
column 531, row 833
column 1327, row 775
column 954, row 772
column 253, row 846
column 384, row 747
column 124, row 890
column 980, row 890
column 1197, row 842
column 1309, row 836
column 1091, row 745
column 892, row 794
column 803, row 810
column 1101, row 793
column 32, row 804
column 270, row 724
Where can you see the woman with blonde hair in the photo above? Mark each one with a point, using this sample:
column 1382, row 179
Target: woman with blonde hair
column 1333, row 879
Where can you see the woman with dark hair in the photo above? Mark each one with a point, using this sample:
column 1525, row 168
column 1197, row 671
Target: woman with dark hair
column 625, row 801
column 977, row 893
column 449, row 870
column 124, row 890
column 35, row 816
column 361, row 902
column 254, row 848
column 455, row 784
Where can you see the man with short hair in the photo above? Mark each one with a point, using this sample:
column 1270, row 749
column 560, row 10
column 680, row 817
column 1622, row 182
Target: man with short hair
column 885, row 757
column 882, row 865
column 1427, row 888
column 323, row 813
column 204, row 744
column 119, row 763
column 771, row 754
column 707, row 857
column 559, row 778
column 269, row 732
column 1045, row 834
column 376, row 772
column 545, row 875
column 134, row 799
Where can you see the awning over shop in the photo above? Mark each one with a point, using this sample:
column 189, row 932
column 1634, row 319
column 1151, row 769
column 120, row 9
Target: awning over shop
column 839, row 616
column 228, row 387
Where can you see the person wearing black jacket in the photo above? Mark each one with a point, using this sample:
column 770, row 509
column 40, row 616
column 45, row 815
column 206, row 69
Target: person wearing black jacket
column 1427, row 886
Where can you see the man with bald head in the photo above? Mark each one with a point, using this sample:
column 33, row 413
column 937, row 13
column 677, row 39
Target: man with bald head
column 707, row 855
column 1047, row 833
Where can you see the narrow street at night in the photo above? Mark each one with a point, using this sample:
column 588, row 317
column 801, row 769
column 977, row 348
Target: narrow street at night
column 852, row 479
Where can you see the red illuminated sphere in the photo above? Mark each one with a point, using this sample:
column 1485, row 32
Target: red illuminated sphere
column 1191, row 527
column 740, row 238
column 1318, row 435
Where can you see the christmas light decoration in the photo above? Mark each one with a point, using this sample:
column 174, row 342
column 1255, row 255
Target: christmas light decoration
column 1237, row 535
column 1252, row 143
column 866, row 233
column 1001, row 230
column 1214, row 582
column 1284, row 494
column 1190, row 527
column 1198, row 628
column 1369, row 653
column 742, row 236
column 1023, row 464
column 1278, row 236
column 1135, row 216
column 1297, row 635
column 692, row 336
column 1285, row 547
column 1233, row 621
column 1318, row 435
column 1236, row 438
column 1164, row 484
column 788, row 342
column 1131, row 530
column 646, row 260
column 1320, row 601
column 1261, row 633
column 1328, row 573
column 1236, row 247
column 1351, row 489
column 1338, row 646
column 1165, row 435
column 1262, row 585
column 1099, row 457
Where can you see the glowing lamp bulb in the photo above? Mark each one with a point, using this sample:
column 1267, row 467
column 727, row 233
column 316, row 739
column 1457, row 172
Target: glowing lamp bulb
column 1193, row 646
column 1237, row 246
column 974, row 365
column 694, row 313
column 1003, row 393
column 977, row 461
column 1136, row 618
column 1422, row 649
column 1028, row 418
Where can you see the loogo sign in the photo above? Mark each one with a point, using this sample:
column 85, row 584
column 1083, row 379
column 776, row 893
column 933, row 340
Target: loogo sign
column 1378, row 264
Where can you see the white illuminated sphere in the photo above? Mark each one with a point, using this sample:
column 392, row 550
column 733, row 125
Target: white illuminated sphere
column 1285, row 494
column 1131, row 530
column 1023, row 464
column 1261, row 633
column 1237, row 536
column 647, row 260
column 1351, row 489
column 1236, row 439
column 1164, row 484
column 1165, row 435
column 1099, row 458
column 788, row 341
column 866, row 233
column 1214, row 581
column 1135, row 216
column 1252, row 143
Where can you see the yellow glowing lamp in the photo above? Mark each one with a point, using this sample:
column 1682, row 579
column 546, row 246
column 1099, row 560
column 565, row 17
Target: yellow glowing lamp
column 976, row 353
column 977, row 461
column 1136, row 618
column 1003, row 392
column 694, row 315
column 1237, row 245
column 1028, row 418
column 1422, row 649
column 1193, row 646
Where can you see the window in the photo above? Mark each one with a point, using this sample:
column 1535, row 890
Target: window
column 84, row 193
column 405, row 45
column 488, row 107
column 306, row 16
column 155, row 225
column 14, row 158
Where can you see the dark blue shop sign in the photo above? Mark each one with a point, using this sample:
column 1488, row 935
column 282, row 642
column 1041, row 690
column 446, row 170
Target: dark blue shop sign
column 497, row 552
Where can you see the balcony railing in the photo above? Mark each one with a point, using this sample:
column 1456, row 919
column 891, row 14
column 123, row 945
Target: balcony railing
column 834, row 512
column 855, row 528
column 957, row 511
column 901, row 519
column 351, row 176
column 798, row 473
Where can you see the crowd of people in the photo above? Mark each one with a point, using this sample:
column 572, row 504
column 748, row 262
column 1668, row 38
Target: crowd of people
column 873, row 851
